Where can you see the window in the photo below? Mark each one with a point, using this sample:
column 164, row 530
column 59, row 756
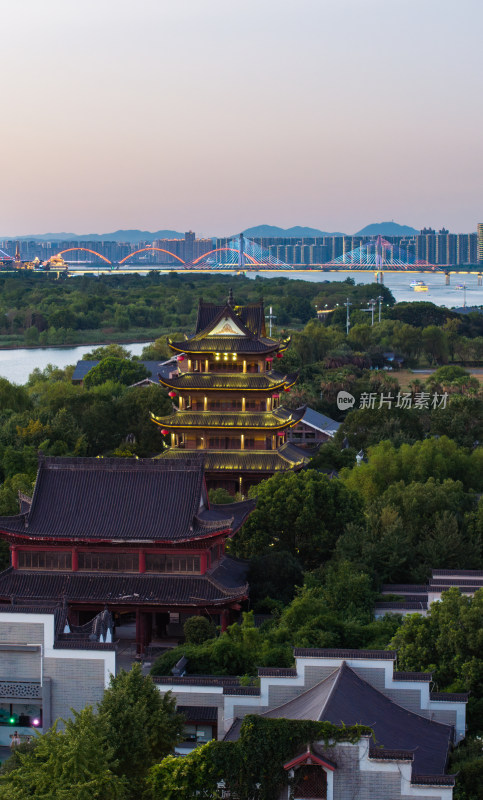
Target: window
column 109, row 562
column 163, row 562
column 198, row 733
column 44, row 559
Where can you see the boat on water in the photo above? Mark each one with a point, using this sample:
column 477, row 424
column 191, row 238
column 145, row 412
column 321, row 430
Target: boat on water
column 419, row 286
column 460, row 286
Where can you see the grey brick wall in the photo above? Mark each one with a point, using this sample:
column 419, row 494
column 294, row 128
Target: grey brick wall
column 314, row 675
column 410, row 699
column 75, row 683
column 20, row 666
column 277, row 695
column 21, row 632
column 373, row 676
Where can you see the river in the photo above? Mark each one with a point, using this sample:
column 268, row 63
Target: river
column 16, row 365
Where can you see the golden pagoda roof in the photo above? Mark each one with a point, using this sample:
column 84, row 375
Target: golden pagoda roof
column 275, row 420
column 229, row 329
column 251, row 382
column 288, row 456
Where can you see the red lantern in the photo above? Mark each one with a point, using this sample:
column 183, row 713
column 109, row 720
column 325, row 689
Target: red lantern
column 180, row 358
column 279, row 355
column 286, row 389
column 172, row 394
column 275, row 396
column 164, row 431
column 281, row 433
column 270, row 358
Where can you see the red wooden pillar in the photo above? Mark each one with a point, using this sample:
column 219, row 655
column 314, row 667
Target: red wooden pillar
column 75, row 559
column 142, row 561
column 204, row 562
column 14, row 556
column 225, row 616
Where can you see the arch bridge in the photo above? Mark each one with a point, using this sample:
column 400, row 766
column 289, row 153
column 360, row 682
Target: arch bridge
column 85, row 250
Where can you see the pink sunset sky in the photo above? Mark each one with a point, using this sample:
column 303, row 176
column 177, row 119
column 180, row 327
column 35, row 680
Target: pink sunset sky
column 216, row 115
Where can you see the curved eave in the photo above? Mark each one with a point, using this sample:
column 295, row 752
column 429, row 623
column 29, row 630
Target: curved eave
column 183, row 347
column 175, row 383
column 199, row 534
column 282, row 425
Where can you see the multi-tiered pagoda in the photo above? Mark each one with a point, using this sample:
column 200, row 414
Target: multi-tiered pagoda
column 228, row 398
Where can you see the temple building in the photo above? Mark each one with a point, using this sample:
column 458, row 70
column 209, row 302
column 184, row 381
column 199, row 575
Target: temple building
column 228, row 398
column 136, row 537
column 414, row 727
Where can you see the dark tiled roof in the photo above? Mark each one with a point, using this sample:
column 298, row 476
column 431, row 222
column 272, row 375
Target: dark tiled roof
column 82, row 644
column 258, row 381
column 197, row 680
column 344, row 698
column 135, row 589
column 82, row 368
column 199, row 713
column 320, row 421
column 402, row 605
column 449, row 697
column 276, row 672
column 403, row 588
column 269, row 461
column 464, row 573
column 232, row 420
column 227, row 344
column 153, row 367
column 433, row 780
column 443, row 584
column 423, row 677
column 252, row 316
column 116, row 498
column 252, row 691
column 305, row 652
column 385, row 754
column 233, row 733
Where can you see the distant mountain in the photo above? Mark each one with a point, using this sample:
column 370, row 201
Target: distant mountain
column 386, row 229
column 116, row 236
column 297, row 232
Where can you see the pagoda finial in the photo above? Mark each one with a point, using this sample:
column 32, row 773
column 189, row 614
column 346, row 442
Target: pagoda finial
column 230, row 300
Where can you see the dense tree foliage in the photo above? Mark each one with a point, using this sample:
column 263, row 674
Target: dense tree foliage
column 300, row 513
column 77, row 762
column 141, row 724
column 98, row 756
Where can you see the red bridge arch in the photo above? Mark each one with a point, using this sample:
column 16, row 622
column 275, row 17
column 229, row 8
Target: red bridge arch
column 150, row 249
column 86, row 250
column 253, row 260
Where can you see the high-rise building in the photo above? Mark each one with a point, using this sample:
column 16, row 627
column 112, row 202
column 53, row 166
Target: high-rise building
column 480, row 243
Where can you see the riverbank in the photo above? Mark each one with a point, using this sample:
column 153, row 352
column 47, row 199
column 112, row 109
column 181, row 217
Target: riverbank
column 93, row 338
column 17, row 364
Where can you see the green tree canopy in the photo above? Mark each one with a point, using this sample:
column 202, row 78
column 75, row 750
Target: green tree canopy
column 142, row 725
column 76, row 763
column 122, row 370
column 301, row 513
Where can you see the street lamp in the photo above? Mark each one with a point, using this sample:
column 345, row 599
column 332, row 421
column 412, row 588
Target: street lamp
column 347, row 322
column 372, row 303
column 380, row 299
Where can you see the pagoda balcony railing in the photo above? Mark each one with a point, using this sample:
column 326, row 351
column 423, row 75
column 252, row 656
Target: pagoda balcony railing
column 20, row 690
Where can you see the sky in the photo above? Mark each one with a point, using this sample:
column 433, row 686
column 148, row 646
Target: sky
column 216, row 115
